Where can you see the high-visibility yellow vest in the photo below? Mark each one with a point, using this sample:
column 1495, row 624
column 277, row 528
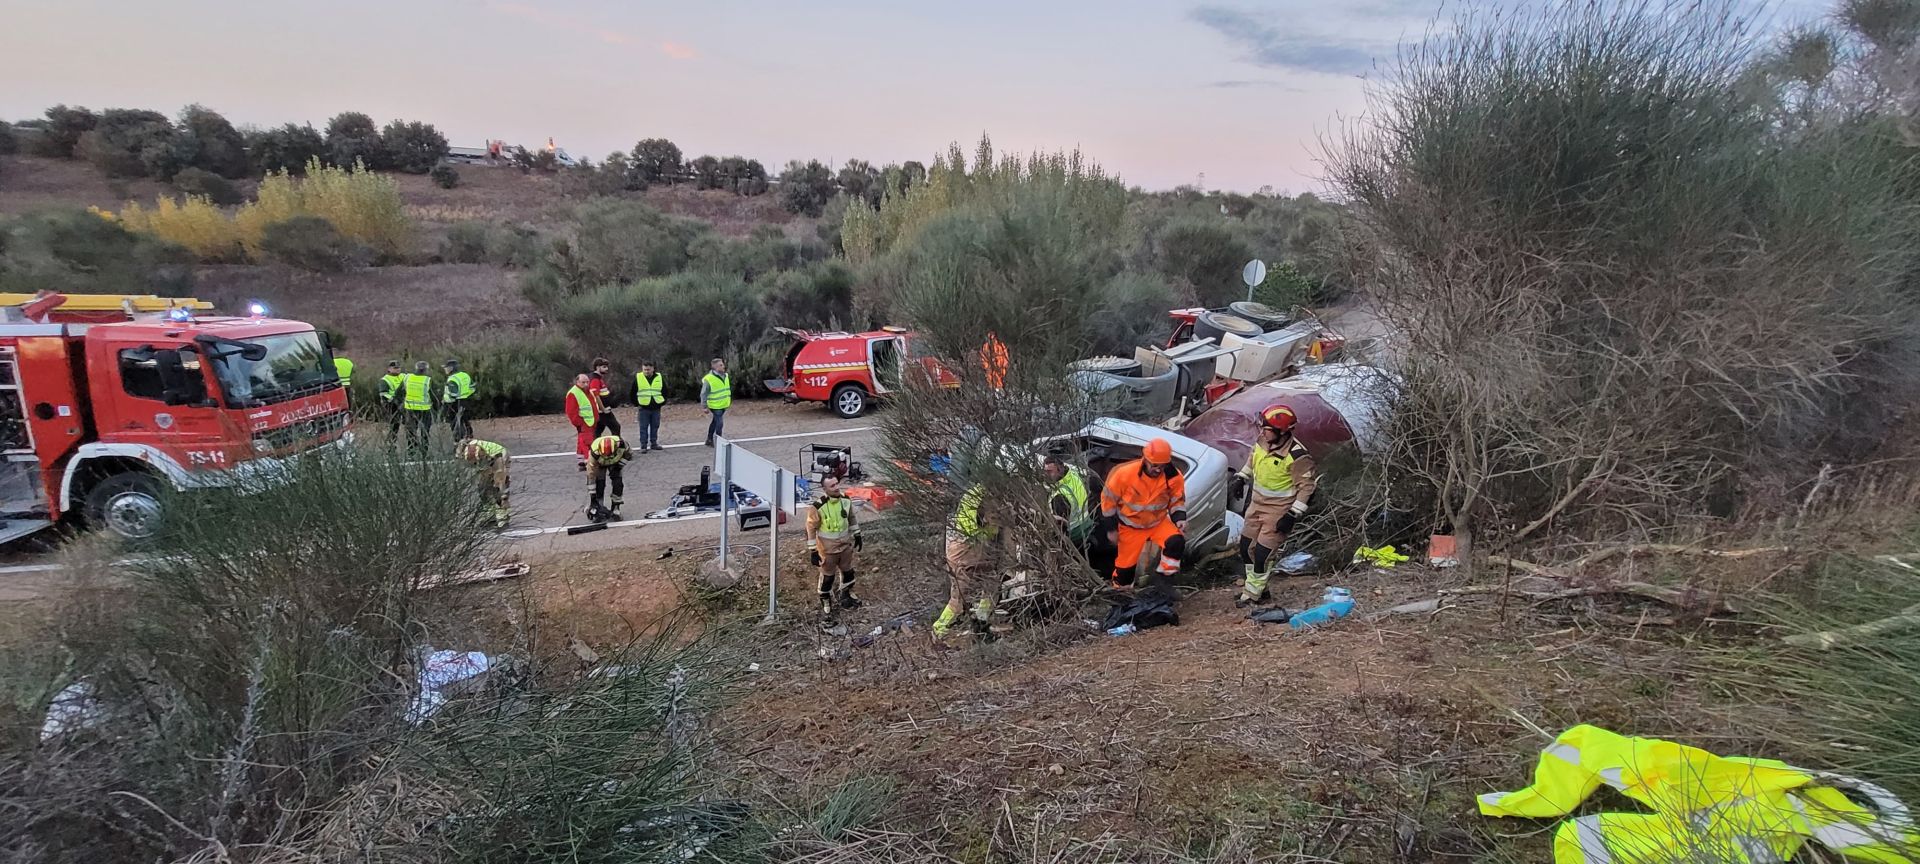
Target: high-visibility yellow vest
column 1732, row 809
column 719, row 391
column 833, row 518
column 419, row 392
column 584, row 403
column 488, row 448
column 1272, row 472
column 648, row 393
column 389, row 385
column 459, row 386
column 966, row 519
column 343, row 368
column 1073, row 487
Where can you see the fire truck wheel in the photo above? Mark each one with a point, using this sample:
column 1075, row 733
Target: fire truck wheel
column 127, row 504
column 849, row 401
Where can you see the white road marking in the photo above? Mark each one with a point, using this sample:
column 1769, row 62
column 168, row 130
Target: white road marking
column 845, row 431
column 524, row 533
column 31, row 568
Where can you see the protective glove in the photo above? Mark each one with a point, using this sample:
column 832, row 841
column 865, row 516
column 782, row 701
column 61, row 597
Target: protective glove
column 858, row 543
column 1299, row 507
column 813, row 557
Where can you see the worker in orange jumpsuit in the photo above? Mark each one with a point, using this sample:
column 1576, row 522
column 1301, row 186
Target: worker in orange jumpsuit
column 1145, row 500
column 993, row 361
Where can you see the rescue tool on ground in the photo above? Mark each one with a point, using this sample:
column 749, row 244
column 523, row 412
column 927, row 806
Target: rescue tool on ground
column 107, row 400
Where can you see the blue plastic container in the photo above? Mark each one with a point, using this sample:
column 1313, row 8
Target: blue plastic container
column 1336, row 603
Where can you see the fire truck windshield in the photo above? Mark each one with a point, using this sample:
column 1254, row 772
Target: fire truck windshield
column 290, row 365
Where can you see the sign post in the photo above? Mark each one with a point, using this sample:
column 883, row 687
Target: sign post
column 724, row 449
column 773, row 548
column 1253, row 274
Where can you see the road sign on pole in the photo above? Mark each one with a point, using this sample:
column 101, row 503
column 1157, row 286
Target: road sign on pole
column 1253, row 274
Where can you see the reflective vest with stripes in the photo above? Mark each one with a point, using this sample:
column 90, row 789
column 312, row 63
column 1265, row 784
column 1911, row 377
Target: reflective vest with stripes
column 1272, row 472
column 647, row 393
column 833, row 518
column 419, row 392
column 1729, row 810
column 390, row 385
column 966, row 519
column 719, row 391
column 1141, row 501
column 1073, row 487
column 343, row 368
column 459, row 386
column 488, row 448
column 582, row 403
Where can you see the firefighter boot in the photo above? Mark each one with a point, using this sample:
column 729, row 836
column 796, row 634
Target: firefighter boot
column 613, row 512
column 827, row 617
column 847, row 600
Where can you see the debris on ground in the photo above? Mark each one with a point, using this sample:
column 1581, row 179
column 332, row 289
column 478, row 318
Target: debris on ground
column 1152, row 607
column 1383, row 557
column 1335, row 603
column 1729, row 807
column 490, row 574
column 1271, row 615
column 75, row 707
column 1298, row 563
column 1442, row 551
column 440, row 671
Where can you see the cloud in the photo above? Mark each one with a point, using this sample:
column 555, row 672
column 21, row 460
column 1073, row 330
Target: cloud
column 1266, row 45
column 1240, row 85
column 567, row 22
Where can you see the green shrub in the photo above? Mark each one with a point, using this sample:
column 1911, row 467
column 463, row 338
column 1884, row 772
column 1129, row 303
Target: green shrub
column 60, row 137
column 680, row 322
column 414, row 148
column 513, row 373
column 465, row 243
column 615, row 241
column 444, row 176
column 215, row 145
column 1206, row 255
column 130, row 142
column 818, row 295
column 286, row 149
column 77, row 252
column 208, row 185
column 313, row 244
column 9, row 144
column 477, row 242
column 352, row 138
column 806, row 187
column 655, row 160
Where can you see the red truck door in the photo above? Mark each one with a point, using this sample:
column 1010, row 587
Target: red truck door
column 157, row 394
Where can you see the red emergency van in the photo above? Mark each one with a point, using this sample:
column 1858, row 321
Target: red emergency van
column 847, row 371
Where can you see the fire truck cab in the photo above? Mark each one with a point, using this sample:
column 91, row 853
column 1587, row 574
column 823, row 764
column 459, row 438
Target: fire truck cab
column 849, row 370
column 105, row 400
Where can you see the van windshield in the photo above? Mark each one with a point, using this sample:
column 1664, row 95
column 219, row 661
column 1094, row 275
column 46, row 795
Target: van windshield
column 294, row 365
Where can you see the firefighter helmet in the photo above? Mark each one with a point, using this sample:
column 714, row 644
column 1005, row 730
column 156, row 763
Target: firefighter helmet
column 606, row 447
column 1158, row 451
column 470, row 450
column 1279, row 418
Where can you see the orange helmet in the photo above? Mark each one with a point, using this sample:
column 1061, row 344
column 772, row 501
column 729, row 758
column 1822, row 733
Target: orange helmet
column 605, row 446
column 471, row 451
column 1279, row 418
column 1158, row 451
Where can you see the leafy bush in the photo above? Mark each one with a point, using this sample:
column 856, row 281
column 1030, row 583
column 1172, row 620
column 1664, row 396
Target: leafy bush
column 414, row 148
column 514, row 373
column 743, row 176
column 60, row 138
column 679, row 321
column 1630, row 297
column 615, row 241
column 215, row 145
column 353, row 139
column 766, row 251
column 487, row 243
column 706, row 172
column 1208, row 257
column 656, row 160
column 860, row 181
column 77, row 252
column 818, row 295
column 286, row 149
column 313, row 244
column 444, row 176
column 194, row 223
column 208, row 185
column 130, row 142
column 361, row 204
column 9, row 144
column 806, row 187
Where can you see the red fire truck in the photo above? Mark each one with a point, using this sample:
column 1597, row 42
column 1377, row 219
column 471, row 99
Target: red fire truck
column 848, row 370
column 105, row 400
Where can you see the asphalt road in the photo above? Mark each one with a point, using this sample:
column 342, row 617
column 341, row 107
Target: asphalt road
column 550, row 492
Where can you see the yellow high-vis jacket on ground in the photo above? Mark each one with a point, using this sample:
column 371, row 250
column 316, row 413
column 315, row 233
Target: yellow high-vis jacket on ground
column 1724, row 809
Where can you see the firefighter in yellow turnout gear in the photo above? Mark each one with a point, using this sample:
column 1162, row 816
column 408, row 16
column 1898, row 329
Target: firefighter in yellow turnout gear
column 833, row 535
column 491, row 459
column 1724, row 809
column 606, row 459
column 973, row 543
column 1283, row 478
